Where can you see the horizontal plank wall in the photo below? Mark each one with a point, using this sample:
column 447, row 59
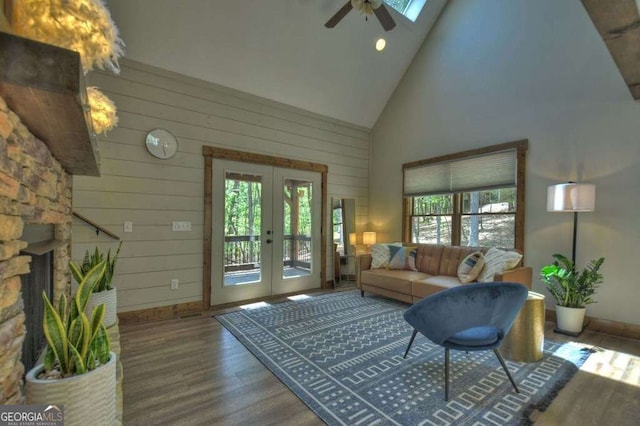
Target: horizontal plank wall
column 153, row 193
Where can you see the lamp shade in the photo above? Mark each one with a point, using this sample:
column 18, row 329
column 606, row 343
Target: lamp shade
column 368, row 238
column 352, row 239
column 571, row 197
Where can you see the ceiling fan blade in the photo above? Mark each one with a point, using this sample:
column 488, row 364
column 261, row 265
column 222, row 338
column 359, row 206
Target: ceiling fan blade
column 339, row 15
column 385, row 18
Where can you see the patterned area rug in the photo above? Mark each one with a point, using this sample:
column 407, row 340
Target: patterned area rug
column 342, row 355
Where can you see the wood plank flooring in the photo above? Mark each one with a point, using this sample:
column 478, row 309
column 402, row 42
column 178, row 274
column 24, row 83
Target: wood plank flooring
column 192, row 371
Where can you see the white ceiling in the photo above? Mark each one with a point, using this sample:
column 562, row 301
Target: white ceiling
column 277, row 49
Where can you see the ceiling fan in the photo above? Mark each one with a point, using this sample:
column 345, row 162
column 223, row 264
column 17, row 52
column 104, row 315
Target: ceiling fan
column 367, row 8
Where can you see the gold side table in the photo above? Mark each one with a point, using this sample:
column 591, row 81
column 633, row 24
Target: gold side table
column 525, row 340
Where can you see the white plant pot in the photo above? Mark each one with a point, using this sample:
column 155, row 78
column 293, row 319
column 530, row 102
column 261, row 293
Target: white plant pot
column 110, row 300
column 570, row 319
column 88, row 399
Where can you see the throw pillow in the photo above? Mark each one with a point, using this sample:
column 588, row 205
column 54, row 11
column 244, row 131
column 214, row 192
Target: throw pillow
column 497, row 261
column 470, row 267
column 379, row 256
column 402, row 258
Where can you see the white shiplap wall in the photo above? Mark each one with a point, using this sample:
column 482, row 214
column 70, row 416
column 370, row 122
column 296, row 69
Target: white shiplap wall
column 153, row 193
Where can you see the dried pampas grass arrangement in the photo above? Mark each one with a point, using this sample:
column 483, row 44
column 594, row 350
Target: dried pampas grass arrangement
column 81, row 25
column 103, row 111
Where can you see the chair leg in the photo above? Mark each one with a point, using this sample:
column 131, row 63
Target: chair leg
column 506, row 370
column 413, row 336
column 361, row 293
column 446, row 374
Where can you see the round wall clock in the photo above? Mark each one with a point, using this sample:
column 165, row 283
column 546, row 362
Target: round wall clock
column 161, row 143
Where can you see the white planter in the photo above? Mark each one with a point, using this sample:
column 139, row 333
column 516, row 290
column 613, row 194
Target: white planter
column 570, row 319
column 110, row 299
column 88, row 399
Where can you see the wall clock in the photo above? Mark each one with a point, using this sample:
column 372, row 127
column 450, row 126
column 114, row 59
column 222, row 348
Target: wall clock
column 161, row 143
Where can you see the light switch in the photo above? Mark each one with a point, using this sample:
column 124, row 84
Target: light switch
column 181, row 226
column 128, row 227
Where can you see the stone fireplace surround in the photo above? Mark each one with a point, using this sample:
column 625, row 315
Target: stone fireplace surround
column 34, row 189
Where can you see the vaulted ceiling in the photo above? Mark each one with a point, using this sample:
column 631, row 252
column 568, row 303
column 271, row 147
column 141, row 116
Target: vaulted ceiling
column 278, row 49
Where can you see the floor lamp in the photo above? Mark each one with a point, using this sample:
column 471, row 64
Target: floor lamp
column 571, row 197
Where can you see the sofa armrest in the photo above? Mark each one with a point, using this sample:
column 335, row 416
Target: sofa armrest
column 520, row 275
column 363, row 263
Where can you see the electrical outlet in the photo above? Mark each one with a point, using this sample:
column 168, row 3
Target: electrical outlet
column 174, row 284
column 128, row 227
column 181, row 226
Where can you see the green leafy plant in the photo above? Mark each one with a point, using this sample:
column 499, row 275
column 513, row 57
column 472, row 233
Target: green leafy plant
column 76, row 344
column 569, row 287
column 90, row 261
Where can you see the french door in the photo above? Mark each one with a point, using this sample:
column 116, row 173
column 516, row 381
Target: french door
column 266, row 231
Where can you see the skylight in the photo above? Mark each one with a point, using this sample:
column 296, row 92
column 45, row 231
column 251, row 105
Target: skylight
column 409, row 8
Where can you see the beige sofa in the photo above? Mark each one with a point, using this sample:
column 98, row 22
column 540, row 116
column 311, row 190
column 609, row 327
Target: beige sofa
column 437, row 267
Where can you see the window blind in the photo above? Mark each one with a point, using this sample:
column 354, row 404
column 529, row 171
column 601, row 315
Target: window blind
column 490, row 171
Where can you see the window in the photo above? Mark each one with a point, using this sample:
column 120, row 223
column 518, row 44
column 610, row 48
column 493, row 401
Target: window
column 409, row 8
column 473, row 198
column 338, row 229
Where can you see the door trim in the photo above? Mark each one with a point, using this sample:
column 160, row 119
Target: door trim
column 209, row 153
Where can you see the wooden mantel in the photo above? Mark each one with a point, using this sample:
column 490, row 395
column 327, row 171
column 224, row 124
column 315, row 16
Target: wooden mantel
column 44, row 86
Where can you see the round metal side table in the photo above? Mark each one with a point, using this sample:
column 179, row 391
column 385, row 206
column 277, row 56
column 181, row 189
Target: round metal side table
column 525, row 340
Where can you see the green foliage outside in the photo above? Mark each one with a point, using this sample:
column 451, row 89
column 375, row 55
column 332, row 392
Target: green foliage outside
column 242, row 207
column 432, row 218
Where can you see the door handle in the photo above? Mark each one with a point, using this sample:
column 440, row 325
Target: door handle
column 269, row 241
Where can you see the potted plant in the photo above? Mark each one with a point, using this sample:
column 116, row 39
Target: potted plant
column 572, row 290
column 103, row 292
column 79, row 370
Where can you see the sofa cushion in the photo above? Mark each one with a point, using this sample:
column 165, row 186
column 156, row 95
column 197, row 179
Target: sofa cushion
column 429, row 285
column 451, row 258
column 402, row 258
column 428, row 258
column 497, row 261
column 396, row 280
column 470, row 267
column 379, row 256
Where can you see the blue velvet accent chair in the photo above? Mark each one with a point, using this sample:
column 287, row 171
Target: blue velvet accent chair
column 471, row 317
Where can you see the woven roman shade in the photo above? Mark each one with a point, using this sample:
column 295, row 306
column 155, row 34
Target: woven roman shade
column 483, row 172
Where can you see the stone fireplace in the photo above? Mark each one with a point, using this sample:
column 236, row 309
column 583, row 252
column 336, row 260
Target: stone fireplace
column 34, row 189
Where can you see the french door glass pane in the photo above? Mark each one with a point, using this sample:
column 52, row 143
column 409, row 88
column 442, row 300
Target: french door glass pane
column 296, row 256
column 242, row 228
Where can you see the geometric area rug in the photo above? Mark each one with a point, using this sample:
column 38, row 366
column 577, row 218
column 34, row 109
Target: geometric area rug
column 341, row 354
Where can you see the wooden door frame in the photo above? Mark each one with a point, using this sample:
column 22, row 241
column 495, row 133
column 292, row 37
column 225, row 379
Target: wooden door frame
column 209, row 153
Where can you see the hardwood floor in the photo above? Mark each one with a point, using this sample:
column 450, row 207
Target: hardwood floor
column 192, row 371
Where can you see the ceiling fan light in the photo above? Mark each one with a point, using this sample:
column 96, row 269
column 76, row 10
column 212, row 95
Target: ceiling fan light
column 366, row 7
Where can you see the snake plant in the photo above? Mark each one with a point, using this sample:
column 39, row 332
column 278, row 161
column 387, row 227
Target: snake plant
column 76, row 345
column 91, row 260
column 569, row 287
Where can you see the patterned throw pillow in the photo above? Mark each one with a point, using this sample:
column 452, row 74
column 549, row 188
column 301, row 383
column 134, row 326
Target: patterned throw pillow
column 470, row 267
column 497, row 261
column 379, row 256
column 402, row 258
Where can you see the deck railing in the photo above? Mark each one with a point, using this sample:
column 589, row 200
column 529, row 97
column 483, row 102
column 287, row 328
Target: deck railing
column 242, row 252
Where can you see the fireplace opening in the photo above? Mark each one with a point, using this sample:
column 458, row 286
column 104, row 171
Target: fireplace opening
column 39, row 280
column 41, row 243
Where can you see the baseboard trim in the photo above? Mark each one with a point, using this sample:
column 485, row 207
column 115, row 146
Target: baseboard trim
column 615, row 328
column 160, row 313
